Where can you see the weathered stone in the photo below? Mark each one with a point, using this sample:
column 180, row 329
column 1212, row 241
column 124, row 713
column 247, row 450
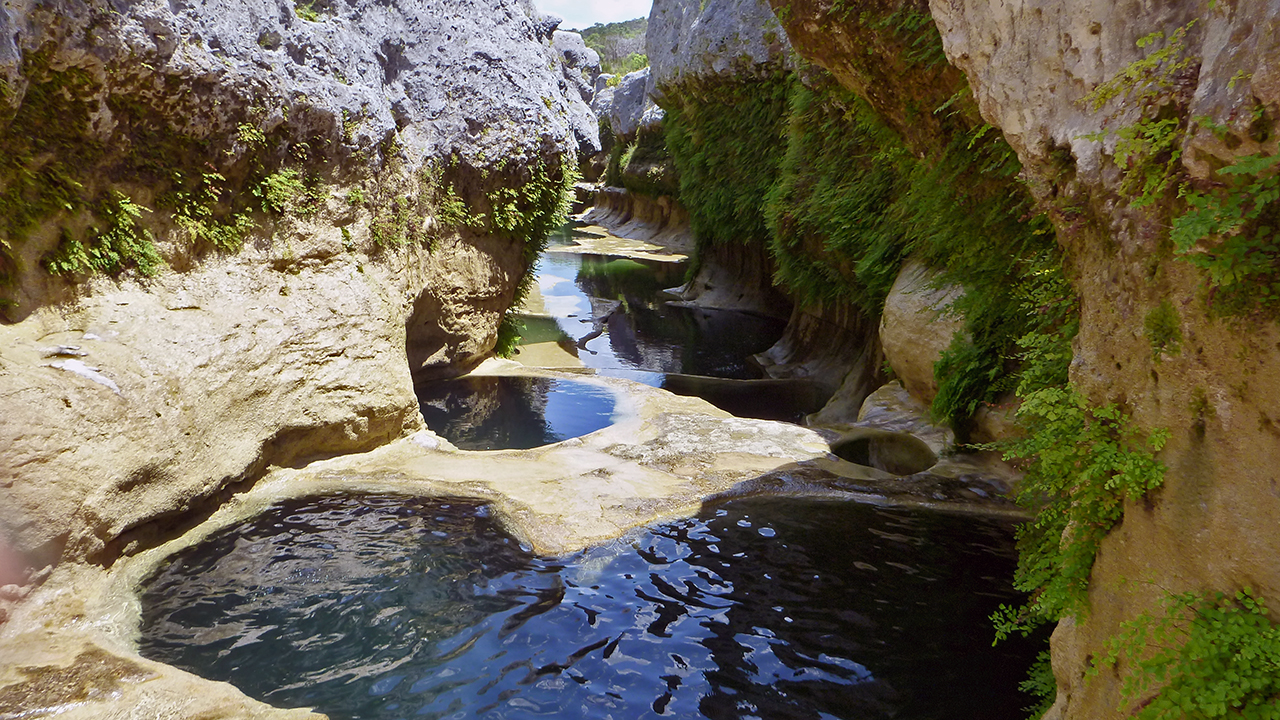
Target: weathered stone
column 892, row 408
column 581, row 64
column 1210, row 527
column 835, row 347
column 660, row 220
column 301, row 344
column 736, row 278
column 630, row 106
column 701, row 38
column 916, row 327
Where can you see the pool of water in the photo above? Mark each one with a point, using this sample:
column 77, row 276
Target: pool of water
column 388, row 607
column 614, row 315
column 505, row 412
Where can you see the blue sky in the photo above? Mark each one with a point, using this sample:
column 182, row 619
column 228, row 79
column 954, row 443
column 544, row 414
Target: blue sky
column 581, row 14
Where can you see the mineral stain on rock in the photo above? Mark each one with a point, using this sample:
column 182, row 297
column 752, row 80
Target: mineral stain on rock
column 49, row 689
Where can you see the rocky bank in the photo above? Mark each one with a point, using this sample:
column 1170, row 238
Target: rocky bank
column 237, row 232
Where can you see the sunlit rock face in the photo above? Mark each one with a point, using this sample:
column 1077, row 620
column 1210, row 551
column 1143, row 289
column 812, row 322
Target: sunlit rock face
column 321, row 185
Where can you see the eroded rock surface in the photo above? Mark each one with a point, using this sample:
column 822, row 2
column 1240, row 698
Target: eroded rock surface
column 323, row 185
column 689, row 39
column 72, row 642
column 1211, row 526
column 917, row 325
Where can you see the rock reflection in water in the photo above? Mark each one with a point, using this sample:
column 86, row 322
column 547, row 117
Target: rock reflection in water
column 614, row 308
column 383, row 607
column 503, row 412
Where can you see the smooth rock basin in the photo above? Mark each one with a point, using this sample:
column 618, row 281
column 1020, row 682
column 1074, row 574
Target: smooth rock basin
column 383, row 607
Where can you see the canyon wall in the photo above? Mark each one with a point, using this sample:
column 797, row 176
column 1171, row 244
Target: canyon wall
column 1176, row 312
column 1211, row 376
column 235, row 233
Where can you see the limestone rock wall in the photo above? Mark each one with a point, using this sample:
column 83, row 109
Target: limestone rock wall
column 1211, row 526
column 347, row 162
column 696, row 38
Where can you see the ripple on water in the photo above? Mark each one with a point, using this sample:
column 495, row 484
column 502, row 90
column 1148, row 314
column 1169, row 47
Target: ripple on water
column 391, row 607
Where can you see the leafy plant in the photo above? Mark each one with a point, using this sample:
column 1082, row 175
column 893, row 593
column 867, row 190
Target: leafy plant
column 1041, row 685
column 1149, row 150
column 307, row 11
column 1084, row 462
column 1230, row 232
column 280, row 190
column 121, row 244
column 1205, row 657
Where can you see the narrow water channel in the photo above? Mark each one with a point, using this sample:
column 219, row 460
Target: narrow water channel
column 383, row 607
column 615, row 316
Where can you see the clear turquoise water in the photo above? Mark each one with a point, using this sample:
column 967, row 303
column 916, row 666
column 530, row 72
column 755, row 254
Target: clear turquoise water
column 388, row 607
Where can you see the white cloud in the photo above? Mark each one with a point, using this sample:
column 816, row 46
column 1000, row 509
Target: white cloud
column 582, row 14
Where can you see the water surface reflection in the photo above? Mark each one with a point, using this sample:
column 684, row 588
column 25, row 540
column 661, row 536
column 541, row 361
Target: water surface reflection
column 387, row 607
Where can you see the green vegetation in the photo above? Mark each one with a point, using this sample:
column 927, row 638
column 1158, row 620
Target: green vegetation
column 1084, row 463
column 1230, row 231
column 627, row 65
column 1209, row 656
column 838, row 197
column 727, row 141
column 280, row 191
column 531, row 210
column 119, row 245
column 620, row 45
column 307, row 10
column 1040, row 685
column 1163, row 330
column 832, row 232
column 645, row 166
column 1149, row 150
column 1225, row 225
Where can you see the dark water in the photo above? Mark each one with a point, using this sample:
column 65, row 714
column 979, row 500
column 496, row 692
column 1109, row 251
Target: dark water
column 503, row 412
column 384, row 607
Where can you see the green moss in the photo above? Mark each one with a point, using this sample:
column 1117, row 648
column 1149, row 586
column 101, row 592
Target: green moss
column 1163, row 330
column 831, row 231
column 645, row 167
column 820, row 177
column 727, row 141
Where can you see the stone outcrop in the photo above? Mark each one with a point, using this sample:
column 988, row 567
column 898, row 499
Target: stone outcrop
column 916, row 327
column 691, row 39
column 323, row 189
column 1211, row 526
column 836, row 347
column 629, row 105
column 661, row 220
column 581, row 64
